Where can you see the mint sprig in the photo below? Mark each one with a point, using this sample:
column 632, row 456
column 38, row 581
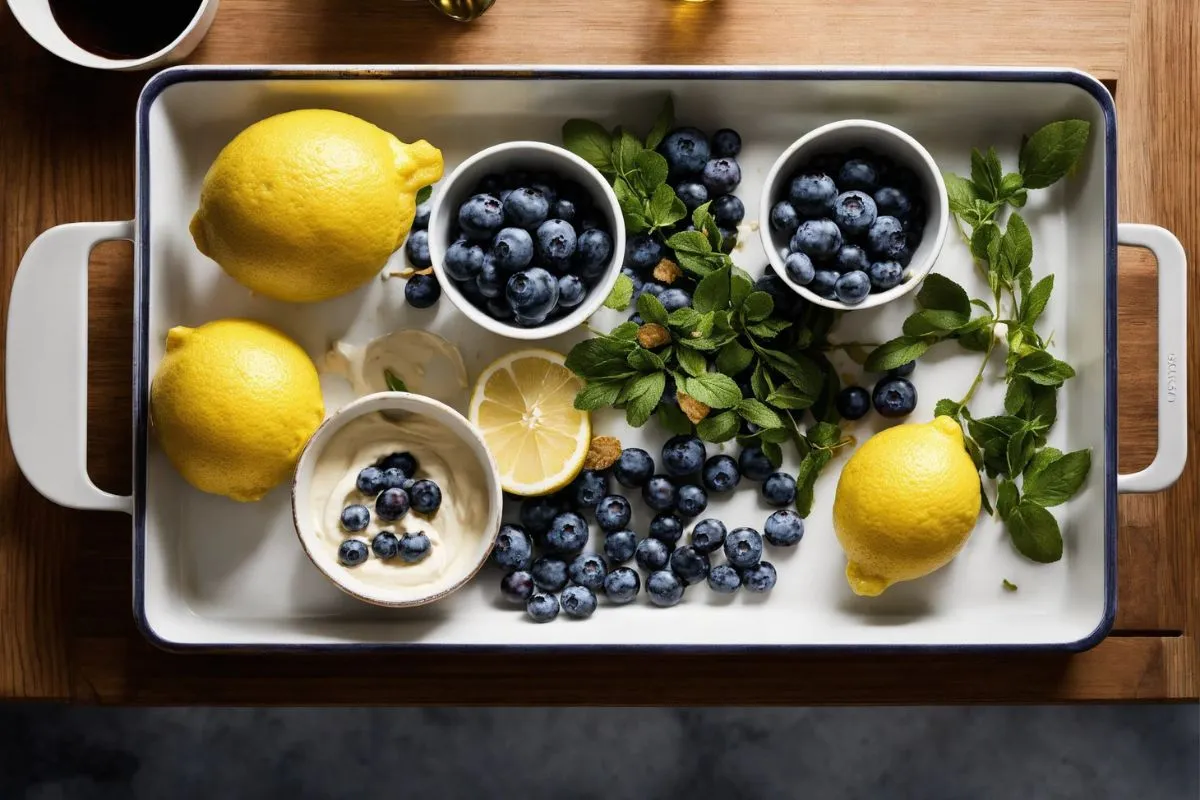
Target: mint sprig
column 1011, row 447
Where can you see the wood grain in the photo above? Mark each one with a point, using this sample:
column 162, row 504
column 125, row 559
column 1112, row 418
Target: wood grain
column 66, row 153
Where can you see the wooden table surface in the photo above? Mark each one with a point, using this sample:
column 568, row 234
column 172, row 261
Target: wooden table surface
column 66, row 154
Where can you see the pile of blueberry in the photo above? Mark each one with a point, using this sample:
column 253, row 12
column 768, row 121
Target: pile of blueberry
column 547, row 570
column 529, row 247
column 422, row 290
column 392, row 482
column 854, row 221
column 893, row 396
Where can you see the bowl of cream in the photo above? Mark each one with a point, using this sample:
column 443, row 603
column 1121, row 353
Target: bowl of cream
column 445, row 449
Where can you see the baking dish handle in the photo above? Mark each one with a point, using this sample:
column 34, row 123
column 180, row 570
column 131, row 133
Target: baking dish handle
column 46, row 364
column 1171, row 456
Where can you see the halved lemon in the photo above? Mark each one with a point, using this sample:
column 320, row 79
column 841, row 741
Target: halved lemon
column 524, row 406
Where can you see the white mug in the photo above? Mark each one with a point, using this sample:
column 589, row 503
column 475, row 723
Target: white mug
column 38, row 21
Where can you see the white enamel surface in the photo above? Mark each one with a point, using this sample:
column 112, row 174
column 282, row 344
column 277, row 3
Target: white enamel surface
column 219, row 572
column 38, row 21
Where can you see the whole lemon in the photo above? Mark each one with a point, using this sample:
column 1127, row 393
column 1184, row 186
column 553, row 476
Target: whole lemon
column 906, row 502
column 308, row 205
column 233, row 403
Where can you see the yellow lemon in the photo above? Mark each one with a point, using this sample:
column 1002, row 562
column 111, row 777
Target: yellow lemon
column 906, row 502
column 232, row 404
column 524, row 405
column 308, row 205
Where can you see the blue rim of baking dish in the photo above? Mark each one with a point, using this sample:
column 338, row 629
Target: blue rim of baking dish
column 161, row 81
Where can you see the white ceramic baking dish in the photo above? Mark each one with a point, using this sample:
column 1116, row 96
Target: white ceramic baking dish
column 212, row 573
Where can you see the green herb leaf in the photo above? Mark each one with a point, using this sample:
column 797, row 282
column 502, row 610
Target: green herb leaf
column 940, row 293
column 650, row 309
column 598, row 394
column 1017, row 397
column 693, row 363
column 983, row 240
column 986, row 173
column 929, row 321
column 1007, row 498
column 645, row 361
column 625, row 149
column 1045, row 403
column 961, row 192
column 1035, row 533
column 1042, row 368
column 800, row 370
column 394, row 382
column 620, row 296
column 947, row 408
column 423, row 194
column 665, row 207
column 768, row 328
column 685, row 319
column 774, row 453
column 1008, row 585
column 824, row 408
column 1052, row 152
column 806, row 478
column 1019, row 451
column 673, row 419
column 740, row 287
column 712, row 292
column 591, row 142
column 641, row 395
column 719, row 428
column 1010, row 185
column 663, row 124
column 600, row 358
column 787, row 396
column 758, row 306
column 759, row 382
column 651, row 171
column 759, row 413
column 632, row 208
column 1059, row 480
column 1041, row 459
column 734, row 358
column 896, row 353
column 1034, row 301
column 1016, row 248
column 823, row 434
column 714, row 390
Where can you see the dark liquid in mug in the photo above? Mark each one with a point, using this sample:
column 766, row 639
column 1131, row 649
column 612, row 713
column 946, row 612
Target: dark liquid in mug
column 123, row 28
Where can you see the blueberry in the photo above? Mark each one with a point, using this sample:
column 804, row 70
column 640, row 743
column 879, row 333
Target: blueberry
column 799, row 268
column 819, row 239
column 490, row 280
column 728, row 239
column 887, row 241
column 513, row 549
column 545, row 183
column 422, row 291
column 538, row 513
column 892, row 202
column 666, row 527
column 404, row 461
column 726, row 143
column 721, row 176
column 593, row 249
column 812, row 195
column 754, row 463
column 549, row 573
column 532, row 293
column 416, row 247
column 622, row 585
column 785, row 299
column 686, row 151
column 414, row 547
column 894, row 397
column 743, row 547
column 823, row 282
column 643, row 252
column 620, row 545
column 665, row 588
column 408, row 484
column 903, row 371
column 564, row 209
column 674, row 299
column 589, row 488
column 481, row 217
column 385, row 545
column 853, row 402
column 352, row 552
column 885, row 275
column 579, row 601
column 854, row 212
column 421, row 216
column 683, row 455
column 499, row 308
column 394, row 478
column 426, row 497
column 633, row 468
column 851, row 257
column 613, row 512
column 512, row 249
column 392, row 504
column 556, row 241
column 526, row 208
column 653, row 288
column 463, row 260
column 692, row 501
column 692, row 194
column 689, row 564
column 542, row 607
column 708, row 535
column 724, row 579
column 728, row 210
column 721, row 474
column 784, row 218
column 651, row 554
column 492, row 183
column 355, row 518
column 760, row 577
column 784, row 528
column 852, row 288
column 779, row 489
column 516, row 587
column 571, row 291
column 858, row 174
column 369, row 481
column 568, row 533
column 588, row 570
column 530, row 322
column 659, row 493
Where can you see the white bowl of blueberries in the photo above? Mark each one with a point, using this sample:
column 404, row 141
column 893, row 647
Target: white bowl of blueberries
column 527, row 239
column 855, row 214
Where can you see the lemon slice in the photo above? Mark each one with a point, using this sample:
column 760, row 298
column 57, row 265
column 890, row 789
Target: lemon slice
column 523, row 404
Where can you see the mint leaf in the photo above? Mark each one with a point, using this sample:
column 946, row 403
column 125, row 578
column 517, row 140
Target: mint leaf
column 693, row 362
column 1017, row 397
column 1007, row 498
column 768, row 328
column 625, row 150
column 740, row 286
column 1019, row 451
column 600, row 358
column 714, row 390
column 423, row 194
column 733, row 358
column 1042, row 459
column 663, row 124
column 632, row 209
column 692, row 242
column 620, row 296
column 986, row 173
column 672, row 419
column 1016, row 248
column 984, row 239
column 933, row 321
column 961, row 192
column 760, row 385
column 1057, row 481
column 650, row 309
column 651, row 171
column 1010, row 185
column 394, row 382
column 773, row 452
column 757, row 306
column 641, row 395
column 1052, row 152
column 712, row 292
column 665, row 207
column 1035, row 533
column 591, row 142
column 599, row 394
column 896, row 353
column 824, row 408
column 719, row 428
column 1035, row 300
column 1044, row 369
column 806, row 478
column 759, row 413
column 947, row 408
column 645, row 361
column 800, row 370
column 787, row 396
column 1045, row 403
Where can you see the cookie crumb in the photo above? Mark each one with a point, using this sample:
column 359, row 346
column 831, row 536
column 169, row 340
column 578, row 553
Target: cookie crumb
column 651, row 335
column 667, row 271
column 603, row 453
column 692, row 408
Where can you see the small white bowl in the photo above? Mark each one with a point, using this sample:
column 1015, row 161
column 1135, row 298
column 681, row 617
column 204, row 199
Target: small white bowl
column 533, row 157
column 474, row 547
column 885, row 140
